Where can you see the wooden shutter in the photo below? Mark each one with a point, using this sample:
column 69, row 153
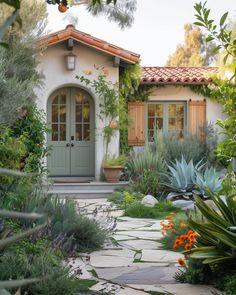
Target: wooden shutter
column 136, row 131
column 197, row 117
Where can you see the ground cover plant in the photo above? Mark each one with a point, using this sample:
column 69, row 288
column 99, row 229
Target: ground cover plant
column 159, row 211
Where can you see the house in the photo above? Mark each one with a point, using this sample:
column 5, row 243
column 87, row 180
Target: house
column 77, row 139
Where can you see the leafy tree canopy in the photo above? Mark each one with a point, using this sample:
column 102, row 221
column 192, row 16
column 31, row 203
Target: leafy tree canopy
column 194, row 51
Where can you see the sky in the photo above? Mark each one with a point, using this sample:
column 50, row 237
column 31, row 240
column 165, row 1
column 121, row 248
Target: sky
column 157, row 29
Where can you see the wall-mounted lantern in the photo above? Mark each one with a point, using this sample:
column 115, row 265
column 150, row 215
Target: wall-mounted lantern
column 70, row 61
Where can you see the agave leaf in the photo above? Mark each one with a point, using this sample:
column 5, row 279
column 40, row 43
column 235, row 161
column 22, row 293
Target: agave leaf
column 9, row 172
column 13, row 214
column 19, row 236
column 4, row 292
column 17, row 283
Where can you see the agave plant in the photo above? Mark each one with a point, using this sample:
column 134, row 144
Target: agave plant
column 216, row 242
column 208, row 181
column 181, row 178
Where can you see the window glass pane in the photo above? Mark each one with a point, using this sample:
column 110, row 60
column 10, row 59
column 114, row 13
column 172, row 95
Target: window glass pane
column 54, row 132
column 180, row 110
column 151, row 110
column 86, row 132
column 151, row 123
column 63, row 99
column 180, row 123
column 171, row 110
column 54, row 113
column 78, row 132
column 78, row 113
column 79, row 98
column 62, row 132
column 86, row 112
column 63, row 114
column 171, row 124
column 159, row 123
column 150, row 135
column 55, row 100
column 159, row 110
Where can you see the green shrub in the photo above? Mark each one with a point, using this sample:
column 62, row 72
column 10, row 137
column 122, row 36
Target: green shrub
column 120, row 197
column 194, row 273
column 32, row 126
column 230, row 285
column 55, row 277
column 147, row 183
column 147, row 160
column 110, row 161
column 159, row 211
column 67, row 229
column 190, row 146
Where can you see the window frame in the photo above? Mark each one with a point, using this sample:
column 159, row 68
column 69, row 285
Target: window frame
column 165, row 114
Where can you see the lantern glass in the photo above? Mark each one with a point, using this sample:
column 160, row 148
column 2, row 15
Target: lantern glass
column 70, row 61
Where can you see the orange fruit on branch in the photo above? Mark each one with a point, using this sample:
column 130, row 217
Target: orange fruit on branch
column 62, row 7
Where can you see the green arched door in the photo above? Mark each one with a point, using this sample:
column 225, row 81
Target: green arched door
column 71, row 121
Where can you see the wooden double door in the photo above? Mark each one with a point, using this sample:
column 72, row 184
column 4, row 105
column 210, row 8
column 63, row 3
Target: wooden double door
column 70, row 115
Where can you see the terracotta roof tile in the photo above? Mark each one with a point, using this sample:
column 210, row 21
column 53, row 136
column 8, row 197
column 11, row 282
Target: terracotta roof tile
column 178, row 75
column 81, row 37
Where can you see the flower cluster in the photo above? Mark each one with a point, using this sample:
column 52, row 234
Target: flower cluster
column 179, row 233
column 185, row 240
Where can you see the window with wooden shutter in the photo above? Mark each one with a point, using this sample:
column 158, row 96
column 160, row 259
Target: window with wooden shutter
column 197, row 117
column 136, row 131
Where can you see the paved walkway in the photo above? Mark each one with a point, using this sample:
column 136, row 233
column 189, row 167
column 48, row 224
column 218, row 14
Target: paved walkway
column 132, row 263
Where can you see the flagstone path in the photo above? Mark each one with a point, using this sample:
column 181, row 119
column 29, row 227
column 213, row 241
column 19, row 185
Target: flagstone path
column 132, row 263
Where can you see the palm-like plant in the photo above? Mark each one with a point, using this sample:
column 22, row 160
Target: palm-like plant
column 216, row 242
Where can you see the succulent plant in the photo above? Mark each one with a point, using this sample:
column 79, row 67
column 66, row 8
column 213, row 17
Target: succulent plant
column 208, row 181
column 181, row 178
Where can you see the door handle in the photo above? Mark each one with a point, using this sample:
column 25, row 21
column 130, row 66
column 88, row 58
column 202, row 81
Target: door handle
column 72, row 144
column 67, row 145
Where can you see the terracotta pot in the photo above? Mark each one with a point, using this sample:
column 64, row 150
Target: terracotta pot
column 113, row 124
column 112, row 174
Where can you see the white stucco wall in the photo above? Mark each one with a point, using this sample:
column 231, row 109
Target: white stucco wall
column 52, row 66
column 180, row 93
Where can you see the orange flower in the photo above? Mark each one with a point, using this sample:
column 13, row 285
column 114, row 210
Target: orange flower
column 183, row 224
column 191, row 237
column 173, row 230
column 188, row 247
column 190, row 232
column 178, row 242
column 172, row 213
column 162, row 233
column 181, row 262
column 175, row 246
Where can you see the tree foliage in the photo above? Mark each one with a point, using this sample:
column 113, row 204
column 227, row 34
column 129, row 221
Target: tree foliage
column 223, row 90
column 194, row 51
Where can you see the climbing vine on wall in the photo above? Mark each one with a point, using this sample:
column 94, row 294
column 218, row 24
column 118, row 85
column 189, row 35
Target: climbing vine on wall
column 131, row 89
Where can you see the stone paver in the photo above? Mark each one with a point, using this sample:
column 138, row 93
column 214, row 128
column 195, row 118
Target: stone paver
column 160, row 256
column 140, row 244
column 179, row 289
column 119, row 237
column 134, row 264
column 149, row 275
column 149, row 235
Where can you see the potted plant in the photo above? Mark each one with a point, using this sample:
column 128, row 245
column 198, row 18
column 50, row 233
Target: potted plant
column 112, row 167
